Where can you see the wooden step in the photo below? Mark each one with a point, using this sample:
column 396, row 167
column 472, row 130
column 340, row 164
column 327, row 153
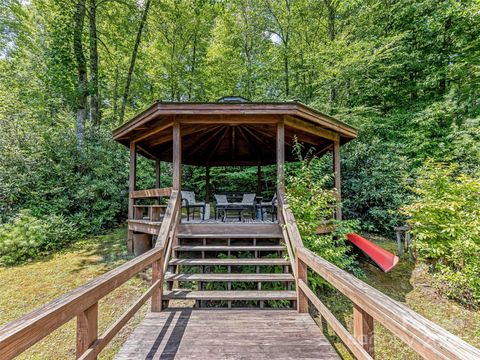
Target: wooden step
column 230, row 231
column 243, row 277
column 229, row 248
column 226, row 262
column 230, row 295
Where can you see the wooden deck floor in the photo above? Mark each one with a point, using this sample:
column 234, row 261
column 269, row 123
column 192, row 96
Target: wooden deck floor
column 227, row 334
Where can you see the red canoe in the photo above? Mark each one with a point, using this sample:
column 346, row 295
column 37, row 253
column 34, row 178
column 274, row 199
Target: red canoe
column 383, row 259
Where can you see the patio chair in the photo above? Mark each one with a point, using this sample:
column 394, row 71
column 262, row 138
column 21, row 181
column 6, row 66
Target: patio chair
column 189, row 202
column 247, row 203
column 221, row 204
column 266, row 206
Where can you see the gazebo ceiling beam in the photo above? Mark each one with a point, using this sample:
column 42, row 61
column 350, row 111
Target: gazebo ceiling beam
column 185, row 132
column 216, row 146
column 271, row 145
column 293, row 122
column 257, row 150
column 228, row 119
column 205, row 141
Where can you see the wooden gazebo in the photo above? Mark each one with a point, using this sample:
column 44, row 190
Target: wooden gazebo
column 234, row 132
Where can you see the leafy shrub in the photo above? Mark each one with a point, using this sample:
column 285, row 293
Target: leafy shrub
column 446, row 226
column 28, row 237
column 311, row 202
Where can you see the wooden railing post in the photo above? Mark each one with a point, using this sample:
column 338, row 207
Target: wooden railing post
column 302, row 300
column 363, row 329
column 157, row 274
column 87, row 329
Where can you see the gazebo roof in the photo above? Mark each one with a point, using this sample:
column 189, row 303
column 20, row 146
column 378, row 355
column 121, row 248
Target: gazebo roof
column 230, row 133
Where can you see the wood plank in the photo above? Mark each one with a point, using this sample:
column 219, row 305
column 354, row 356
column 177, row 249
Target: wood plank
column 229, row 248
column 245, row 230
column 311, row 128
column 425, row 337
column 363, row 329
column 227, row 334
column 225, row 262
column 229, row 277
column 177, row 157
column 150, row 193
column 87, row 329
column 231, row 295
column 338, row 179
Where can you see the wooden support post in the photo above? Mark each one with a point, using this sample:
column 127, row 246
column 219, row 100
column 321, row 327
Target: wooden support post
column 302, row 274
column 177, row 157
column 363, row 329
column 87, row 329
column 157, row 295
column 132, row 179
column 281, row 156
column 259, row 178
column 157, row 173
column 338, row 181
column 207, row 184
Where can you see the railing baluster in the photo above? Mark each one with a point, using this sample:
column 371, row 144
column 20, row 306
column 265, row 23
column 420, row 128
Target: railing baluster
column 302, row 300
column 157, row 274
column 363, row 329
column 87, row 329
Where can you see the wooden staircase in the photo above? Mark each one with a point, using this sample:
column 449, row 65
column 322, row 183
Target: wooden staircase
column 231, row 265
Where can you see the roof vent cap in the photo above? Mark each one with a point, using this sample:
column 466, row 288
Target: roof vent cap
column 233, row 99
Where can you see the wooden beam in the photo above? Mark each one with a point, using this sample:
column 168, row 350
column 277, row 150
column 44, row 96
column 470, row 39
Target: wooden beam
column 281, row 157
column 338, row 180
column 363, row 329
column 310, row 128
column 157, row 173
column 147, row 133
column 157, row 277
column 190, row 130
column 87, row 329
column 177, row 157
column 217, row 145
column 150, row 193
column 207, row 184
column 226, row 119
column 302, row 275
column 132, row 179
column 259, row 178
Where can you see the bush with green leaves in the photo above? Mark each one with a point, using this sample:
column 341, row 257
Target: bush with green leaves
column 445, row 220
column 311, row 202
column 28, row 237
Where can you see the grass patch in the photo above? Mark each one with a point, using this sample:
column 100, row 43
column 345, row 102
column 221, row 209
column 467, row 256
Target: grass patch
column 28, row 286
column 411, row 284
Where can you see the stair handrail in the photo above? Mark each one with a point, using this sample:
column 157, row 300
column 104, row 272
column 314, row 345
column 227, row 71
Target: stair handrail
column 290, row 231
column 82, row 302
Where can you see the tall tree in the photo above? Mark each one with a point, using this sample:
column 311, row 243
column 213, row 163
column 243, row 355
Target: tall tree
column 82, row 73
column 95, row 111
column 133, row 59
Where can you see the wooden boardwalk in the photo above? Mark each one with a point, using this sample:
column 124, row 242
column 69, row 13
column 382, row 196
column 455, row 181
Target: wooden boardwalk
column 227, row 334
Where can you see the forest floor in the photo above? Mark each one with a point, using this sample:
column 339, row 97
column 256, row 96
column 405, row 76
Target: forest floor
column 30, row 285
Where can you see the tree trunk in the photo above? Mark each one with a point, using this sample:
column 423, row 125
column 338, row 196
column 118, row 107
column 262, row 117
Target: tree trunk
column 94, row 91
column 133, row 59
column 82, row 74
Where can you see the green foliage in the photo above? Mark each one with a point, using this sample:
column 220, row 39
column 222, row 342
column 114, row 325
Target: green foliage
column 28, row 237
column 311, row 202
column 445, row 221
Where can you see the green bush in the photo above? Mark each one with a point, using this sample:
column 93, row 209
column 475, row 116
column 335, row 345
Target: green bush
column 311, row 202
column 28, row 237
column 445, row 221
